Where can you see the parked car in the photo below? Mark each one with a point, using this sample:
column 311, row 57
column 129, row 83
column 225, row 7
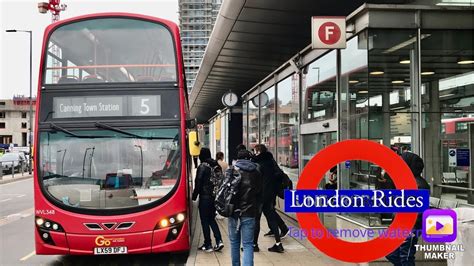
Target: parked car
column 13, row 161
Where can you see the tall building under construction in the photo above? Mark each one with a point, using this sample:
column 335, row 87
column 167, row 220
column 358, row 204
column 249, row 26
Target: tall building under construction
column 196, row 20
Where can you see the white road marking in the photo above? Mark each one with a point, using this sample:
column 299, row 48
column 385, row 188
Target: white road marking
column 4, row 200
column 16, row 216
column 16, row 182
column 21, row 196
column 28, row 256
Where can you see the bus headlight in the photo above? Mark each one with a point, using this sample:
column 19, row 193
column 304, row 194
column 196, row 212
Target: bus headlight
column 171, row 221
column 180, row 217
column 48, row 225
column 164, row 223
column 39, row 221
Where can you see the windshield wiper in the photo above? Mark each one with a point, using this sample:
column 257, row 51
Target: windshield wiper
column 56, row 127
column 118, row 130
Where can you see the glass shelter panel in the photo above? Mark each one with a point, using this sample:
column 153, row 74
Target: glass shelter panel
column 244, row 123
column 267, row 119
column 447, row 76
column 288, row 123
column 253, row 129
column 376, row 102
column 319, row 89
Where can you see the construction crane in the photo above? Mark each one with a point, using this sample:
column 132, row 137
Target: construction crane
column 55, row 7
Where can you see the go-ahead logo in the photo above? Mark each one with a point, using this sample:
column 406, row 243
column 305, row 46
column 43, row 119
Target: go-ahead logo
column 406, row 201
column 101, row 241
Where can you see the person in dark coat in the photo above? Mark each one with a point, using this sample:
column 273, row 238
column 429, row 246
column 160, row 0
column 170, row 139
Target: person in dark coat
column 270, row 189
column 404, row 255
column 414, row 162
column 203, row 188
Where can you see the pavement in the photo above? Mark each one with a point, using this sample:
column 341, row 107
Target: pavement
column 12, row 178
column 297, row 252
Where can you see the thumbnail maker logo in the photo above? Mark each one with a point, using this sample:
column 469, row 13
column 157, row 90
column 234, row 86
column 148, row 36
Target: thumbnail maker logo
column 439, row 225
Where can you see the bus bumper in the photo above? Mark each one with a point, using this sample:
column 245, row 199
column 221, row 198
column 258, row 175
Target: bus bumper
column 156, row 241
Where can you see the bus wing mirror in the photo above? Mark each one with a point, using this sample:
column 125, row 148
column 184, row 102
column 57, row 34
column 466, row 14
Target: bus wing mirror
column 194, row 145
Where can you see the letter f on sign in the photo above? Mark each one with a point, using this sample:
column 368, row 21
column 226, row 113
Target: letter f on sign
column 329, row 30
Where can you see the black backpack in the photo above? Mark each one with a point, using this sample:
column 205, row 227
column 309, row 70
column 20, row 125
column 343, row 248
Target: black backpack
column 216, row 177
column 226, row 197
column 283, row 181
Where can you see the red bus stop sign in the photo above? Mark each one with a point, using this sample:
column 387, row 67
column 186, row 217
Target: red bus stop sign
column 328, row 32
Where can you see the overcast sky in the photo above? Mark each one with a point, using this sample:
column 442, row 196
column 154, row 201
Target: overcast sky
column 23, row 14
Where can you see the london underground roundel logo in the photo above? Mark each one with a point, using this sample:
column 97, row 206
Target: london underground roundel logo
column 356, row 150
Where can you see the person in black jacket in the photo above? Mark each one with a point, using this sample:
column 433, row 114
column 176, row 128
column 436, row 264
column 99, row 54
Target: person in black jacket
column 413, row 161
column 203, row 188
column 271, row 185
column 404, row 255
column 241, row 225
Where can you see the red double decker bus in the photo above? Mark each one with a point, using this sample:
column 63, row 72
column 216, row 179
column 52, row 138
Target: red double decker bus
column 112, row 169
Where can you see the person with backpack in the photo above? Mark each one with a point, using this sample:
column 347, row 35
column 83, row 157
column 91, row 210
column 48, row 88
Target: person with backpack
column 405, row 254
column 245, row 183
column 205, row 186
column 271, row 186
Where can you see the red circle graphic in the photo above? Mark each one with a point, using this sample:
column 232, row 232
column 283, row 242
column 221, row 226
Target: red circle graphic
column 356, row 150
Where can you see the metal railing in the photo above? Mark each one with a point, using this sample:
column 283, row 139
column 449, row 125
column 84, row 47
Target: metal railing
column 18, row 164
column 454, row 187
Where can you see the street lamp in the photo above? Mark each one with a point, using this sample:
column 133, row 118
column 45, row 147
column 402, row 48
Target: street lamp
column 31, row 102
column 141, row 159
column 84, row 161
column 62, row 161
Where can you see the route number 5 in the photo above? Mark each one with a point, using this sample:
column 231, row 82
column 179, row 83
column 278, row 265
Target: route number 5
column 144, row 108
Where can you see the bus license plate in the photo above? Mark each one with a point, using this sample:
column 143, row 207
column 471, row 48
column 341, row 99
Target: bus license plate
column 110, row 250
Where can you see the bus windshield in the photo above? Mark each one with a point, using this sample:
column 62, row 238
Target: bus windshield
column 110, row 50
column 106, row 169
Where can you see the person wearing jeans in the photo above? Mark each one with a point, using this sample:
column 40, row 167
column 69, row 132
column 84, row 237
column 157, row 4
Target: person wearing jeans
column 204, row 189
column 242, row 234
column 248, row 199
column 207, row 214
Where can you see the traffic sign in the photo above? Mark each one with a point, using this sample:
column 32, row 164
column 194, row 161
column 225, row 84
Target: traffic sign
column 328, row 32
column 452, row 162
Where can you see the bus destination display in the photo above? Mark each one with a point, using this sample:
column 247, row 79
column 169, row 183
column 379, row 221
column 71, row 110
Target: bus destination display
column 106, row 106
